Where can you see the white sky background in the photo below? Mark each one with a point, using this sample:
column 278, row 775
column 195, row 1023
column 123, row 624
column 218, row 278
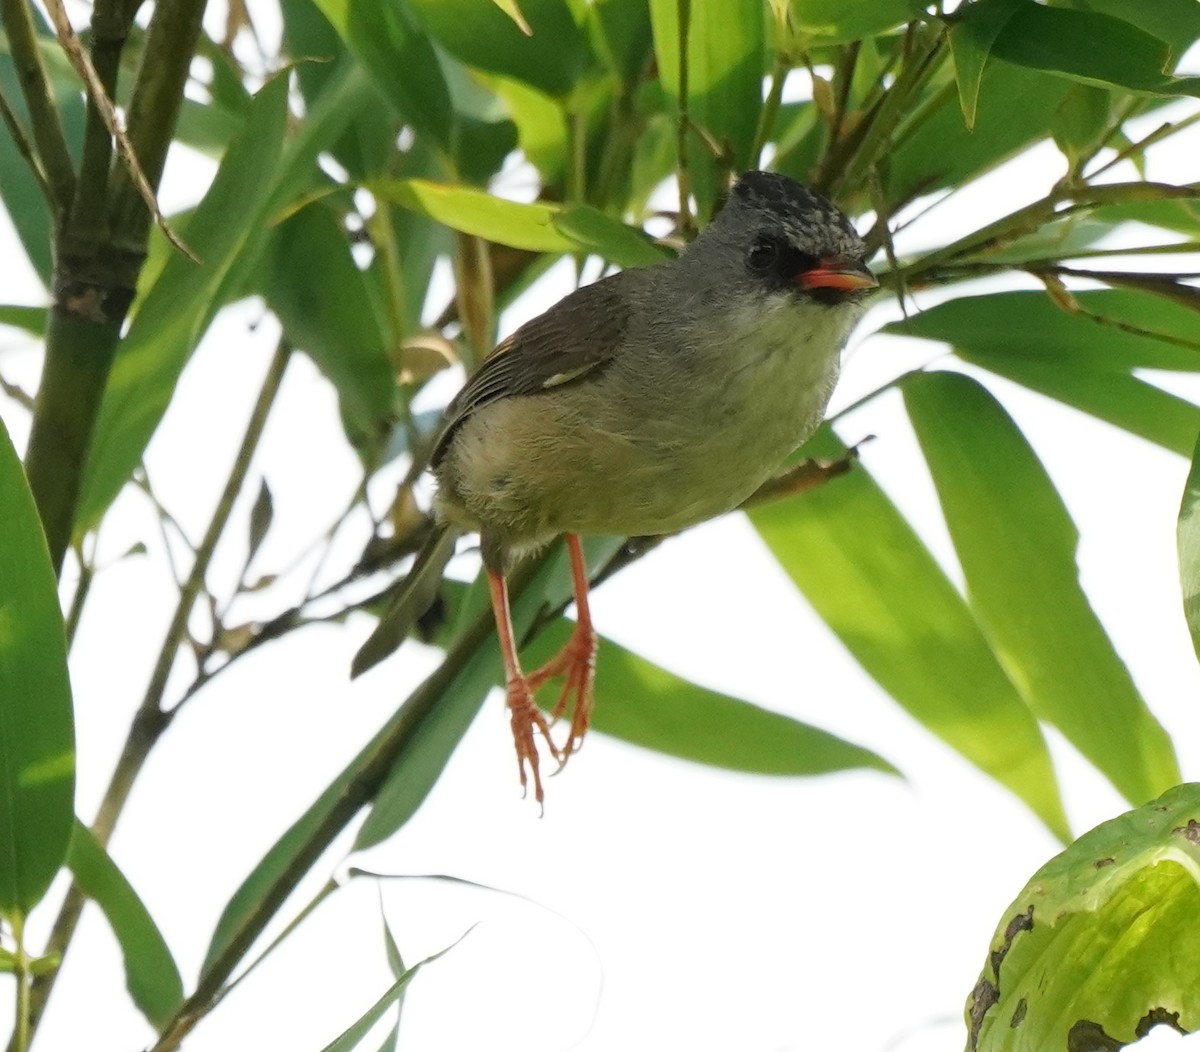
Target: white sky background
column 677, row 907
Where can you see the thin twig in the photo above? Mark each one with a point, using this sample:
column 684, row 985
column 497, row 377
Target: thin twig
column 687, row 226
column 82, row 63
column 1163, row 131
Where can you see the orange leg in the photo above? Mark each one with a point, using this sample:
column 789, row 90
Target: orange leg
column 576, row 662
column 525, row 715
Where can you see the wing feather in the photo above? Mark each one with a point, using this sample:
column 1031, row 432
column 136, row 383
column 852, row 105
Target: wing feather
column 576, row 336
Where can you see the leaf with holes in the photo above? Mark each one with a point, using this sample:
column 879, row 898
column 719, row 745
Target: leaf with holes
column 1103, row 944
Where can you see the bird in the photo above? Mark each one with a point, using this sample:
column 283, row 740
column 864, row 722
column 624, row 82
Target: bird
column 644, row 403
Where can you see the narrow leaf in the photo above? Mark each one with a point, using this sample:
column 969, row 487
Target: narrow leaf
column 641, row 703
column 1188, row 541
column 1014, row 110
column 350, row 1038
column 551, row 57
column 37, row 747
column 177, row 310
column 1017, row 545
column 838, row 22
column 151, row 975
column 868, row 575
column 31, row 319
column 510, row 8
column 1102, row 944
column 724, row 64
column 393, row 46
column 1091, row 47
column 972, row 35
column 330, row 313
column 261, row 514
column 527, row 226
column 608, row 238
column 1175, row 21
column 1029, row 326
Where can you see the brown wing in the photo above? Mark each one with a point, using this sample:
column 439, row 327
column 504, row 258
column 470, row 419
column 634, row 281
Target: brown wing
column 574, row 337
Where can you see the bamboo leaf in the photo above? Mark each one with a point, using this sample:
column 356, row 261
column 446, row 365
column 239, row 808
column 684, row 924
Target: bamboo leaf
column 971, row 37
column 641, row 703
column 527, row 226
column 31, row 319
column 357, row 1031
column 1030, row 327
column 840, row 21
column 151, row 974
column 1102, row 944
column 1076, row 358
column 1188, row 541
column 331, row 313
column 395, row 49
column 873, row 581
column 726, row 58
column 551, row 57
column 37, row 746
column 1088, row 46
column 179, row 307
column 1017, row 545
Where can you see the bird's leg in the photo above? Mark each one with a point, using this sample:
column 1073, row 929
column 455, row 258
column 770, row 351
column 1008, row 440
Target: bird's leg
column 576, row 662
column 524, row 713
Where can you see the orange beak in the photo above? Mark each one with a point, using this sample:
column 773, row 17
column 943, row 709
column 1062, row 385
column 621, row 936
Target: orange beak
column 835, row 272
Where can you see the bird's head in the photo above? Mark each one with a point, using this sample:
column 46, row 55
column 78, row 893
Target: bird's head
column 779, row 235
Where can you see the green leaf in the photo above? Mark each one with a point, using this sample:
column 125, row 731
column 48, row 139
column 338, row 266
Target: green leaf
column 1179, row 215
column 725, row 63
column 867, row 574
column 608, row 238
column 1103, row 942
column 330, row 312
column 1027, row 338
column 151, row 975
column 533, row 227
column 641, row 703
column 37, row 746
column 1175, row 21
column 1017, row 545
column 971, row 36
column 1082, row 121
column 1188, row 542
column 23, row 198
column 622, row 28
column 1030, row 327
column 552, row 58
column 527, row 226
column 1088, row 46
column 178, row 308
column 350, row 1038
column 1121, row 399
column 392, row 45
column 31, row 319
column 510, row 8
column 541, row 122
column 1014, row 111
column 840, row 21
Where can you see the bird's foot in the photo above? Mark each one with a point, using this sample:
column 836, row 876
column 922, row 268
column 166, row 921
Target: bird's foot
column 526, row 718
column 576, row 664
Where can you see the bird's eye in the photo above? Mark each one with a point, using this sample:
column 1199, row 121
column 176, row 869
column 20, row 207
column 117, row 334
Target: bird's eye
column 763, row 255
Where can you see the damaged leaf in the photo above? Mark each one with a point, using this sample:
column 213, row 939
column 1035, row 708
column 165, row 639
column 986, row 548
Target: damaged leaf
column 1103, row 944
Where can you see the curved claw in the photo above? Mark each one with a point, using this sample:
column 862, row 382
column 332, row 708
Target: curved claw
column 526, row 718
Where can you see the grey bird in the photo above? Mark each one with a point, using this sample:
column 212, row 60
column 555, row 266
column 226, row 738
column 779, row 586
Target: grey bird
column 645, row 403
